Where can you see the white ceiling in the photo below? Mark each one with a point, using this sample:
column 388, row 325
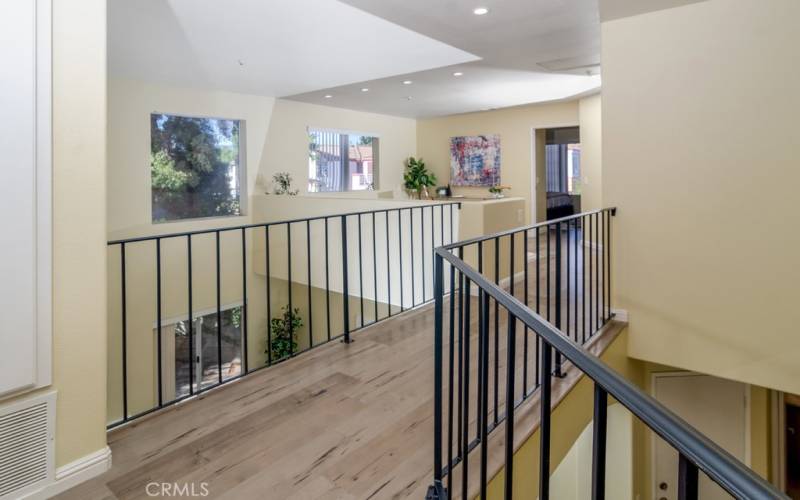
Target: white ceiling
column 285, row 46
column 522, row 51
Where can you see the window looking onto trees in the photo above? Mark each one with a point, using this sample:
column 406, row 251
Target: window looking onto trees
column 196, row 167
column 340, row 161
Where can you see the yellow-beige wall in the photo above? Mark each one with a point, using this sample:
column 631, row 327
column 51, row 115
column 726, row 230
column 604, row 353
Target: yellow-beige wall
column 591, row 153
column 79, row 216
column 699, row 154
column 570, row 417
column 130, row 104
column 514, row 126
column 79, row 231
column 287, row 141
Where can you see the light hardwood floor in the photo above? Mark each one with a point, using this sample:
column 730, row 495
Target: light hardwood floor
column 341, row 421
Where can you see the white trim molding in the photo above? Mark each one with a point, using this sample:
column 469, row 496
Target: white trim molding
column 26, row 82
column 75, row 473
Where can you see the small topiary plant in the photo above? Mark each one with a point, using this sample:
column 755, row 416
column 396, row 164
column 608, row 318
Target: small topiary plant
column 284, row 333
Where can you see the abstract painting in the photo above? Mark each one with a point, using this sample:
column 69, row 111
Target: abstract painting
column 475, row 160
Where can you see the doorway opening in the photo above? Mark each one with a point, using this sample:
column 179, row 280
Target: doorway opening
column 562, row 158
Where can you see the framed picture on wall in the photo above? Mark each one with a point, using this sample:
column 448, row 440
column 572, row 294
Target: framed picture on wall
column 475, row 160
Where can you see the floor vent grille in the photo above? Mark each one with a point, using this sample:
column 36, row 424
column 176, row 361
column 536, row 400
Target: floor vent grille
column 26, row 445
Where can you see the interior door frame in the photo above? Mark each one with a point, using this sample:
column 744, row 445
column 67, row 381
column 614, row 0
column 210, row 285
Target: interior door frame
column 680, row 373
column 533, row 130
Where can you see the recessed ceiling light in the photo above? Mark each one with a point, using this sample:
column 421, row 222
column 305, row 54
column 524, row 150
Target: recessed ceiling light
column 480, row 11
column 458, row 73
column 365, row 89
column 240, row 61
column 409, row 98
column 407, row 82
column 328, row 96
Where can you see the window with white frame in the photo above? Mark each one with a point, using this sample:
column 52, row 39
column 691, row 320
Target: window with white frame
column 196, row 167
column 342, row 161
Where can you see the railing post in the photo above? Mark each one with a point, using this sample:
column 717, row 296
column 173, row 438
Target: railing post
column 558, row 372
column 544, row 426
column 599, row 443
column 687, row 479
column 345, row 288
column 438, row 291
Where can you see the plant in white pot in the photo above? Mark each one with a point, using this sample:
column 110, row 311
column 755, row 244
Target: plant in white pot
column 418, row 178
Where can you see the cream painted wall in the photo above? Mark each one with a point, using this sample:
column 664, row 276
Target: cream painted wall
column 129, row 106
column 591, row 153
column 287, row 140
column 572, row 479
column 514, row 126
column 79, row 217
column 699, row 151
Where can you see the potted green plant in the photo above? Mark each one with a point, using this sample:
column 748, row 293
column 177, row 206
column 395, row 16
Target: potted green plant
column 283, row 184
column 497, row 191
column 284, row 333
column 417, row 177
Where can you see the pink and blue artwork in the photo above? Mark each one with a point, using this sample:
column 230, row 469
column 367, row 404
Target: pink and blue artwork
column 475, row 160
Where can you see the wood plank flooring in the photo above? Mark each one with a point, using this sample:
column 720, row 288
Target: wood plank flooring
column 341, row 421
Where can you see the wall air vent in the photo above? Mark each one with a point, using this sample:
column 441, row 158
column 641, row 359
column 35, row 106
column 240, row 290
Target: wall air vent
column 26, row 445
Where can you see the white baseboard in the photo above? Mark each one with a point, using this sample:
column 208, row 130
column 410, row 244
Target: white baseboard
column 74, row 473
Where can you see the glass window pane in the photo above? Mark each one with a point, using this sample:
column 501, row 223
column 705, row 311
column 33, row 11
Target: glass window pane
column 195, row 167
column 342, row 162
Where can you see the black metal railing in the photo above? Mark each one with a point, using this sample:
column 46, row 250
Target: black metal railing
column 577, row 252
column 399, row 240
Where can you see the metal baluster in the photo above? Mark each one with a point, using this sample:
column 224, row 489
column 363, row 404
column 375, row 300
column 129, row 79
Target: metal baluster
column 591, row 277
column 496, row 399
column 548, row 273
column 465, row 425
column 583, row 279
column 190, row 315
column 219, row 314
column 687, row 479
column 400, row 246
column 511, row 355
column 345, row 287
column 460, row 351
column 422, row 247
column 484, row 393
column 526, row 331
column 124, row 298
column 360, row 272
column 597, row 271
column 451, row 373
column 289, row 274
column 308, row 276
column 481, row 345
column 411, row 237
column 569, row 295
column 244, row 302
column 544, row 426
column 575, row 274
column 158, row 320
column 374, row 268
column 538, row 304
column 599, row 443
column 388, row 270
column 558, row 372
column 269, row 296
column 437, row 371
column 327, row 283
